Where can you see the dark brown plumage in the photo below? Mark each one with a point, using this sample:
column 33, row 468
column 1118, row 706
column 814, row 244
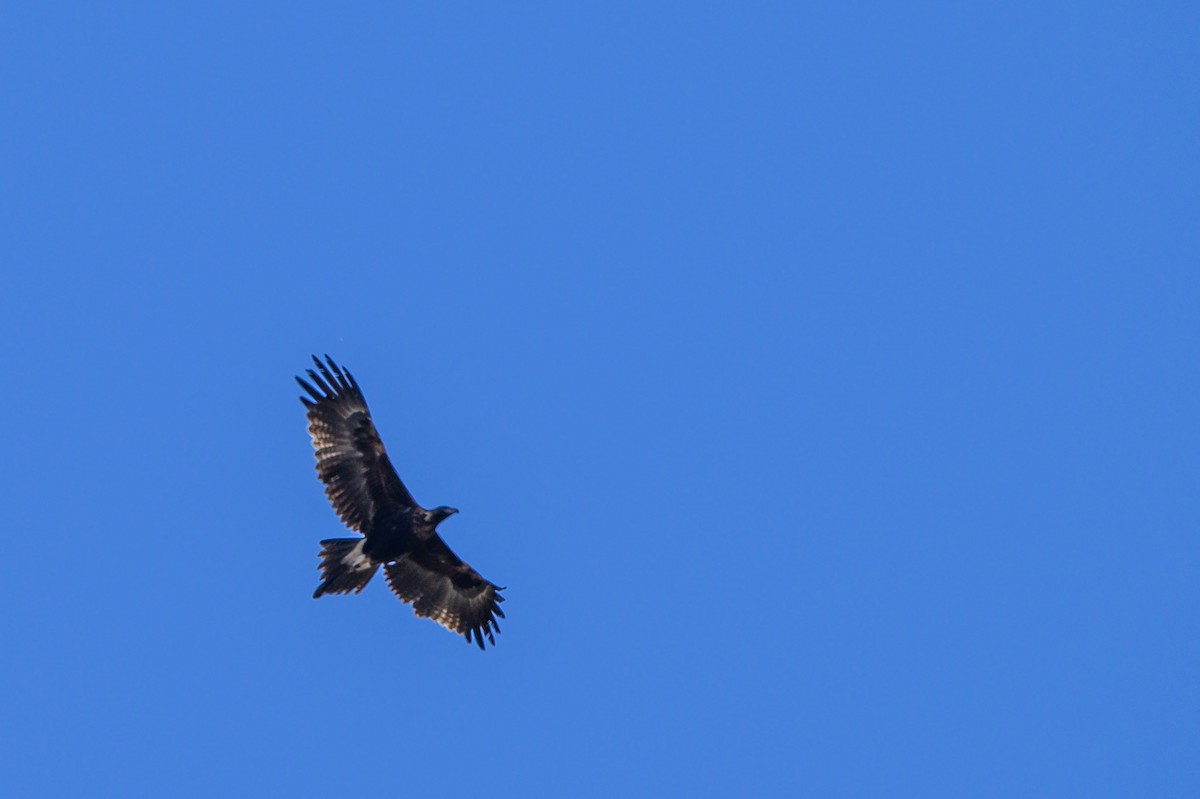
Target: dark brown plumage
column 398, row 534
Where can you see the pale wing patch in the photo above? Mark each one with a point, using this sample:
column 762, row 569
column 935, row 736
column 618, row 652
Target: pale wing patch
column 358, row 560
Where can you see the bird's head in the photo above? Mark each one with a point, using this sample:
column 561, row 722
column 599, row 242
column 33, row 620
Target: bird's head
column 441, row 513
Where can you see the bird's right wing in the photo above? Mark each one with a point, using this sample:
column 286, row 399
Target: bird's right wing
column 351, row 461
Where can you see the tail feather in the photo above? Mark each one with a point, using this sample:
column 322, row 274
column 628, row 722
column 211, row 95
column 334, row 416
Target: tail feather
column 344, row 567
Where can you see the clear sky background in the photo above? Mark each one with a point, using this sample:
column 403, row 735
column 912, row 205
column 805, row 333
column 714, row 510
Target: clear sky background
column 821, row 380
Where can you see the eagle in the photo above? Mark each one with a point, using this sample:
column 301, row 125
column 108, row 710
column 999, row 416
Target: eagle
column 397, row 533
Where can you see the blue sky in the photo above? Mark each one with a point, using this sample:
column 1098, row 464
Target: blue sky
column 820, row 380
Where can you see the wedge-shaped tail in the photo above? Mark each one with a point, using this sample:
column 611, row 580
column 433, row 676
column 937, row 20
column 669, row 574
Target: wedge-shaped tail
column 344, row 566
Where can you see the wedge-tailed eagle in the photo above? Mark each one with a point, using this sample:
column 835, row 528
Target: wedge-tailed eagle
column 398, row 534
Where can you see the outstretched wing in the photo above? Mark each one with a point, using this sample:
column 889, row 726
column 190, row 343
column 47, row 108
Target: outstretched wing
column 351, row 461
column 443, row 588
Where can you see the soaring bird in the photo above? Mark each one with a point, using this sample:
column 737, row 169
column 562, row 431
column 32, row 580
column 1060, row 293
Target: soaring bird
column 398, row 534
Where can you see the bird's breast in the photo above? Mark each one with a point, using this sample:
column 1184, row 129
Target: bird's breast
column 390, row 538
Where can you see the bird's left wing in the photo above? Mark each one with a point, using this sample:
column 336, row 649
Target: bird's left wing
column 351, row 461
column 443, row 588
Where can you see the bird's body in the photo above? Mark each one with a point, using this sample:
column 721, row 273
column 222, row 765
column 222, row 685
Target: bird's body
column 398, row 534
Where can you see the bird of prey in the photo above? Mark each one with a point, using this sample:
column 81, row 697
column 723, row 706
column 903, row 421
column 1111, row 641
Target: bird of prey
column 398, row 534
